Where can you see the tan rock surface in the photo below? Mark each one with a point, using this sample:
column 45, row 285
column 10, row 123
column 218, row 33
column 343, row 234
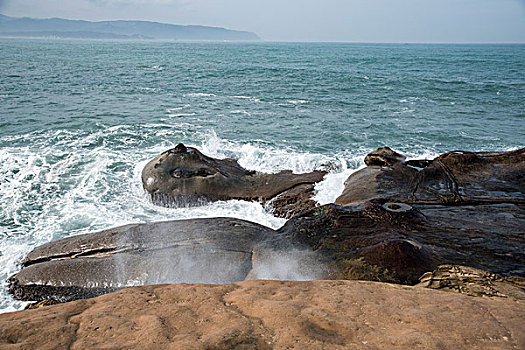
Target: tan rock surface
column 271, row 314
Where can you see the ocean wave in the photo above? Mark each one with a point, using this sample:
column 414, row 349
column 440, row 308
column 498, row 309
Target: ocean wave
column 71, row 183
column 253, row 99
column 298, row 102
column 199, row 94
column 173, row 115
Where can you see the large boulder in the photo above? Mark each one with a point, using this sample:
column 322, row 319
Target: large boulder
column 218, row 250
column 185, row 176
column 271, row 315
column 398, row 222
column 390, row 242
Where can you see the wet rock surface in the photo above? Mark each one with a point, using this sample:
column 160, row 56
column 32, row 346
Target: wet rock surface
column 454, row 178
column 184, row 175
column 384, row 156
column 462, row 208
column 374, row 242
column 217, row 250
column 271, row 315
column 397, row 223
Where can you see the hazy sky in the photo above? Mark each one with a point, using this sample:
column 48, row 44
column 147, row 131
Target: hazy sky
column 310, row 20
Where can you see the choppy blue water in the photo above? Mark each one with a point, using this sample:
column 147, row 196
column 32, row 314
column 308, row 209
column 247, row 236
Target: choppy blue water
column 79, row 119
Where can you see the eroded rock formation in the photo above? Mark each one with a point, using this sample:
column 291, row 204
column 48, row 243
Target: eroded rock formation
column 218, row 250
column 396, row 221
column 183, row 175
column 271, row 315
column 454, row 178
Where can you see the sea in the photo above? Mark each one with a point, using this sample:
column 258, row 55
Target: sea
column 79, row 119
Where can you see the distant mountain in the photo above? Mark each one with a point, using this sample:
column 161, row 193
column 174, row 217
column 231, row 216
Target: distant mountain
column 65, row 28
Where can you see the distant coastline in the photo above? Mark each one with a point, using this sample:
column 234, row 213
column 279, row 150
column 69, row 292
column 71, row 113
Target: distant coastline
column 119, row 30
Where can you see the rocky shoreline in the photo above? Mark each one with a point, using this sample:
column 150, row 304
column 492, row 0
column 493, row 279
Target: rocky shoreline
column 454, row 223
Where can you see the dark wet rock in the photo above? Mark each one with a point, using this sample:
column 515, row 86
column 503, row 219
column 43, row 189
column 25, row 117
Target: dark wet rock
column 292, row 202
column 455, row 178
column 397, row 242
column 384, row 156
column 368, row 242
column 200, row 250
column 474, row 282
column 185, row 176
column 218, row 250
column 470, row 208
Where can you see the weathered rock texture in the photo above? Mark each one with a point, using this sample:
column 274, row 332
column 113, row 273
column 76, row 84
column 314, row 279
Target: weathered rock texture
column 454, row 178
column 399, row 219
column 470, row 281
column 397, row 242
column 183, row 176
column 218, row 250
column 271, row 315
column 396, row 222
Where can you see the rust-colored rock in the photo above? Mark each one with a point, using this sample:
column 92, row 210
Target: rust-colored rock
column 184, row 175
column 271, row 315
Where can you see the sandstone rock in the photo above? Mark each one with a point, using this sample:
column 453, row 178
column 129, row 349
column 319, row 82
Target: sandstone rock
column 398, row 223
column 200, row 250
column 384, row 157
column 183, row 176
column 391, row 242
column 470, row 208
column 271, row 315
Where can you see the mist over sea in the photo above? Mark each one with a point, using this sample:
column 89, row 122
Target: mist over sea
column 79, row 119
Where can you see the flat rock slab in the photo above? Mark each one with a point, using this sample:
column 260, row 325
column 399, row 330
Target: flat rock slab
column 218, row 250
column 271, row 315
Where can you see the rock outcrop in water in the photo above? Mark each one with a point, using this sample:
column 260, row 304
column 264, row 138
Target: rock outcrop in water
column 395, row 221
column 183, row 175
column 271, row 315
column 453, row 179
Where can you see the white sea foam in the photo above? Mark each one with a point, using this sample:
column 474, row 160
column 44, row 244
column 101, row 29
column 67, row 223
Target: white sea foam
column 253, row 99
column 199, row 94
column 73, row 182
column 240, row 111
column 262, row 158
column 179, row 108
column 298, row 102
column 174, row 115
